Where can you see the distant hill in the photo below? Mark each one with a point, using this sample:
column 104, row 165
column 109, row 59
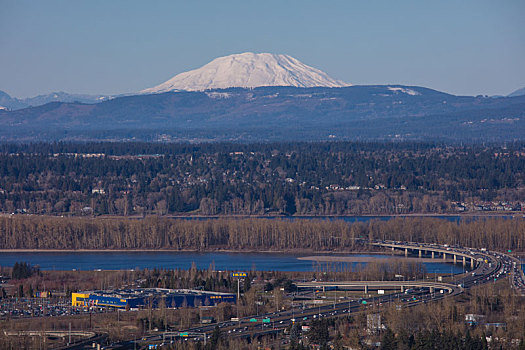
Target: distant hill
column 13, row 103
column 275, row 113
column 519, row 92
column 8, row 102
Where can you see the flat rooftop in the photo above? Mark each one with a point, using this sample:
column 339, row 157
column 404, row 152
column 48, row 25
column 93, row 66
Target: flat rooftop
column 147, row 292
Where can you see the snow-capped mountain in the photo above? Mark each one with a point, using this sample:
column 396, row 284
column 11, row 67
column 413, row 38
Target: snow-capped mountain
column 248, row 70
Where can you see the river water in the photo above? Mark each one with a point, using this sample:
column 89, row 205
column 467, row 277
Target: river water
column 184, row 260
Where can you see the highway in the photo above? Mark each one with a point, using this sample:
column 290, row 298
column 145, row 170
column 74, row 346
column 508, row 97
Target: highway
column 490, row 265
column 244, row 328
column 486, row 266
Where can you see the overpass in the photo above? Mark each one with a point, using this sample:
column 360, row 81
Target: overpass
column 56, row 334
column 384, row 285
column 376, row 285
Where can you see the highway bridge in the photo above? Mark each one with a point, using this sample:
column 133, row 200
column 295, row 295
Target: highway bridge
column 485, row 265
column 433, row 250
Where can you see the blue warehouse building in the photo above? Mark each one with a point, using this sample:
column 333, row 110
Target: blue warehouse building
column 154, row 297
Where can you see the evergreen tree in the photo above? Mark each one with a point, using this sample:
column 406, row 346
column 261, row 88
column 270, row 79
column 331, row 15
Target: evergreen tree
column 388, row 340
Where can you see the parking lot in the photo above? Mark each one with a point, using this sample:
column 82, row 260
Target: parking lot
column 42, row 307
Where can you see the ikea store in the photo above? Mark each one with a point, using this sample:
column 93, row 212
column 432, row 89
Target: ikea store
column 150, row 297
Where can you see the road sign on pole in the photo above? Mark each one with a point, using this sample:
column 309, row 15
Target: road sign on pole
column 238, row 275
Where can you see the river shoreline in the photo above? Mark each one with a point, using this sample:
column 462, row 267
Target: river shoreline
column 207, row 251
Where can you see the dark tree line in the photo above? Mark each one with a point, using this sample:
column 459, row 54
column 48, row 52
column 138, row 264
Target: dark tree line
column 32, row 232
column 23, row 270
column 256, row 179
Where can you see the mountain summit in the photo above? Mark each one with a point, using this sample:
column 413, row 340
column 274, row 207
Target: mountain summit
column 248, row 70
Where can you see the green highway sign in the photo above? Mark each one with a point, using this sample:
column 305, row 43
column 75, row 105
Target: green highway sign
column 183, row 334
column 364, row 302
column 266, row 320
column 253, row 320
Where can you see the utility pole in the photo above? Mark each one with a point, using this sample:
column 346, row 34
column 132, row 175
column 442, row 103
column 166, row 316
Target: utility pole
column 238, row 288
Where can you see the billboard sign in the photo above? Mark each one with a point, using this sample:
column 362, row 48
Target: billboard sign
column 239, row 274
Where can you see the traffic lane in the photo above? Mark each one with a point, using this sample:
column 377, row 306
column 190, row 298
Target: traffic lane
column 286, row 318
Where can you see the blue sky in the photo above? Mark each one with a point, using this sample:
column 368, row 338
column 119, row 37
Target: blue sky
column 465, row 47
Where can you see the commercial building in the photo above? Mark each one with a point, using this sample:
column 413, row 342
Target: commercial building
column 146, row 297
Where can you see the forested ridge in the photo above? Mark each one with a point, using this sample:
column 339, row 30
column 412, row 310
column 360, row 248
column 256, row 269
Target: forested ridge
column 331, row 178
column 32, row 232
